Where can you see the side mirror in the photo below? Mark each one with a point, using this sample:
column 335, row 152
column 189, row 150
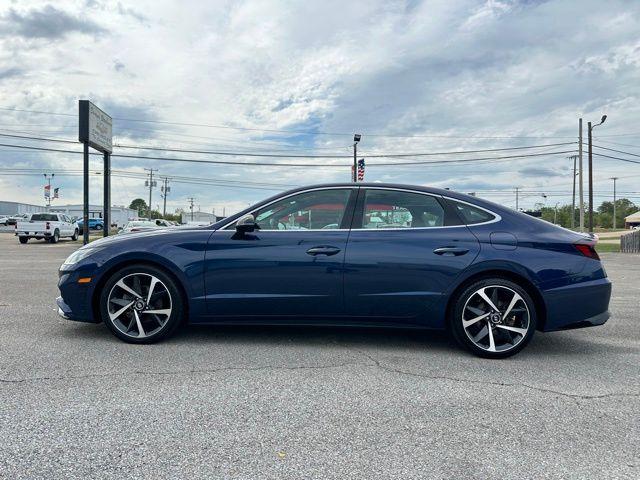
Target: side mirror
column 246, row 224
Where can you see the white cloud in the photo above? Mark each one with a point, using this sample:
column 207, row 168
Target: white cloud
column 465, row 69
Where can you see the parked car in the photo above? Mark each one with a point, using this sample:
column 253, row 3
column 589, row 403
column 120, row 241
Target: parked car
column 13, row 219
column 3, row 220
column 94, row 224
column 48, row 226
column 139, row 226
column 488, row 274
column 160, row 222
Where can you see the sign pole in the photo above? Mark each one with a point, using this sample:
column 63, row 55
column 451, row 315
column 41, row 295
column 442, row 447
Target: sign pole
column 95, row 130
column 106, row 215
column 85, row 196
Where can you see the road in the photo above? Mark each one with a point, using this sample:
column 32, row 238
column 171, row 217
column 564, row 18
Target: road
column 308, row 402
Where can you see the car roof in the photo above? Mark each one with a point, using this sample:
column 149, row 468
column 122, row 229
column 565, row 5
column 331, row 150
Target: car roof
column 420, row 188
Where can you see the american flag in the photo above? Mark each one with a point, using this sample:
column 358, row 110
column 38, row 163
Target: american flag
column 361, row 170
column 47, row 191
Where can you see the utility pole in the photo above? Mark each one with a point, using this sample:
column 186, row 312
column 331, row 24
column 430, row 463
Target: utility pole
column 151, row 185
column 191, row 200
column 573, row 202
column 555, row 215
column 517, row 197
column 590, row 128
column 356, row 139
column 48, row 179
column 165, row 190
column 580, row 176
column 614, row 201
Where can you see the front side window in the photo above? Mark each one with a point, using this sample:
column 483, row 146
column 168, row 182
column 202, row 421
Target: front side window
column 397, row 209
column 316, row 210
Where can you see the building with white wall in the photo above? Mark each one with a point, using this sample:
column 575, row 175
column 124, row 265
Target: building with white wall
column 11, row 208
column 120, row 215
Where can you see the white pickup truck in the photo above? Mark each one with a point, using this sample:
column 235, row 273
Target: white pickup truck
column 50, row 226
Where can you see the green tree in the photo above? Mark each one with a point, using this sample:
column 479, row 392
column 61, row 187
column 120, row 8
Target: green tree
column 624, row 207
column 139, row 205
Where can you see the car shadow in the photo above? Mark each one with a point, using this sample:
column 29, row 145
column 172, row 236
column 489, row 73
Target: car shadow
column 542, row 345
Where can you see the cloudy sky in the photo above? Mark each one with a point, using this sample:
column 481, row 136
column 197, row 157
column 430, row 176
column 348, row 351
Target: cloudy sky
column 299, row 78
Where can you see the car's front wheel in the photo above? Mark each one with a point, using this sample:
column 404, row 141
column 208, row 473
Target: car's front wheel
column 493, row 318
column 74, row 237
column 141, row 304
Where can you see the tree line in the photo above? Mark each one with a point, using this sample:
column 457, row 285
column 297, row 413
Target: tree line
column 602, row 217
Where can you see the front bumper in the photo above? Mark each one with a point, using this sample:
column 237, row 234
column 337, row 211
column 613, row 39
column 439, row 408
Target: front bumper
column 74, row 302
column 583, row 304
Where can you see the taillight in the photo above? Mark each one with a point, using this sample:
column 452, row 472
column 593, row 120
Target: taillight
column 47, row 226
column 587, row 250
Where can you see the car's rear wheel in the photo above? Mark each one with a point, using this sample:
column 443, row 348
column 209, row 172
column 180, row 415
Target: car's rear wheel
column 55, row 237
column 493, row 318
column 23, row 240
column 141, row 304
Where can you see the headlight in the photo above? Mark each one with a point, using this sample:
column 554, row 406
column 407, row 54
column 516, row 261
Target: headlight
column 78, row 255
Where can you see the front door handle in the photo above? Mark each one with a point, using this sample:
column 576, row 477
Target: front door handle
column 323, row 250
column 451, row 251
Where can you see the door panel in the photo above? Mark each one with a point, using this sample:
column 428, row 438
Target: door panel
column 402, row 256
column 291, row 265
column 275, row 273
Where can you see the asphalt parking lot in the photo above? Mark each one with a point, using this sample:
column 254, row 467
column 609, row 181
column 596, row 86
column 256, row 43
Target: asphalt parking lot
column 255, row 403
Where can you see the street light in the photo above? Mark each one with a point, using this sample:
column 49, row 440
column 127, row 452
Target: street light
column 590, row 129
column 356, row 139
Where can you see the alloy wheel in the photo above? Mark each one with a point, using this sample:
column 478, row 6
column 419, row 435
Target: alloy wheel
column 496, row 318
column 139, row 305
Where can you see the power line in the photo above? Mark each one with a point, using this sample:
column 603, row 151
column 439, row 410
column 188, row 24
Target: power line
column 270, row 155
column 304, row 165
column 616, row 158
column 617, row 151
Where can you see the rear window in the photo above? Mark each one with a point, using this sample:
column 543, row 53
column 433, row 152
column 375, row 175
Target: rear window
column 471, row 215
column 44, row 217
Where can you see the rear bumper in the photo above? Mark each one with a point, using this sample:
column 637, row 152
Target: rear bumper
column 584, row 304
column 33, row 234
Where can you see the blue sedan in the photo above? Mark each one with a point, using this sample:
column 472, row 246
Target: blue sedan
column 347, row 254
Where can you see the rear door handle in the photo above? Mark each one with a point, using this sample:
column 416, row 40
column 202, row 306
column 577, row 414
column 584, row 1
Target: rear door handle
column 451, row 251
column 323, row 250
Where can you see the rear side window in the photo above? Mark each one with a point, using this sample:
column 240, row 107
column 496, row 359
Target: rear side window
column 472, row 215
column 397, row 209
column 44, row 217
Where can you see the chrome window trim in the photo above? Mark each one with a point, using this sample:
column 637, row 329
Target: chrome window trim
column 496, row 218
column 226, row 225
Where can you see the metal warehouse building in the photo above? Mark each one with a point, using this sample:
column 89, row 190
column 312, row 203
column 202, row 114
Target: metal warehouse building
column 119, row 214
column 11, row 208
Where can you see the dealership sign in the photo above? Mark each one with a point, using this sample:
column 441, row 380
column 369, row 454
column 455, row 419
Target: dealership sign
column 95, row 127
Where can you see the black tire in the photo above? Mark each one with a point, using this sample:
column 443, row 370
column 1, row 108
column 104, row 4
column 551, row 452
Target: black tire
column 74, row 237
column 176, row 298
column 55, row 237
column 98, row 227
column 23, row 240
column 460, row 334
